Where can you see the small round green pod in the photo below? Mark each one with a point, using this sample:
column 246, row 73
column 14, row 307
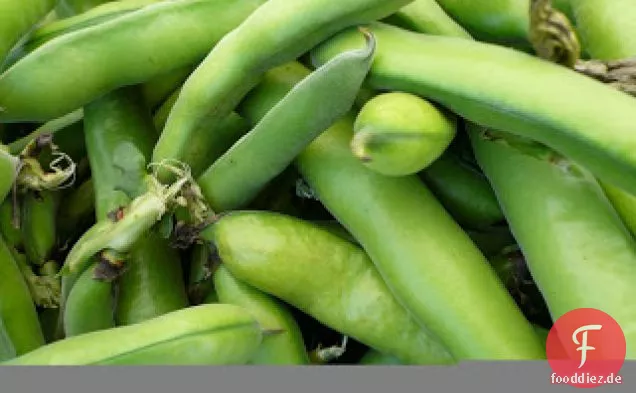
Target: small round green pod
column 399, row 134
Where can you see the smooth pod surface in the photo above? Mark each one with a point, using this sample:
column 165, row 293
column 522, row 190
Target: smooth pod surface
column 325, row 276
column 398, row 134
column 531, row 97
column 430, row 264
column 277, row 32
column 583, row 256
column 215, row 334
column 17, row 18
column 90, row 305
column 120, row 52
column 249, row 165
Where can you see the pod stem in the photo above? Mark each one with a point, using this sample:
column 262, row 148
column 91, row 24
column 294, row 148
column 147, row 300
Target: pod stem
column 46, row 291
column 620, row 74
column 530, row 148
column 325, row 355
column 32, row 176
column 552, row 35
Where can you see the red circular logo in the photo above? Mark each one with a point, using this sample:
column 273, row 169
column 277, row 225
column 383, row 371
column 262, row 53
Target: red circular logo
column 586, row 348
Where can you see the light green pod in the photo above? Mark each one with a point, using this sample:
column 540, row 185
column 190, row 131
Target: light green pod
column 240, row 174
column 505, row 21
column 325, row 276
column 583, row 256
column 607, row 28
column 119, row 52
column 90, row 305
column 217, row 334
column 426, row 16
column 58, row 27
column 505, row 89
column 237, row 63
column 17, row 17
column 7, row 351
column 399, row 134
column 284, row 346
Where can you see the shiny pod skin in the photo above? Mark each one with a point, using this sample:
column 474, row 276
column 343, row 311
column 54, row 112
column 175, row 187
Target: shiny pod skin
column 284, row 346
column 218, row 334
column 607, row 27
column 430, row 264
column 583, row 256
column 152, row 283
column 238, row 62
column 116, row 53
column 17, row 18
column 90, row 305
column 399, row 134
column 531, row 97
column 426, row 16
column 323, row 275
column 237, row 177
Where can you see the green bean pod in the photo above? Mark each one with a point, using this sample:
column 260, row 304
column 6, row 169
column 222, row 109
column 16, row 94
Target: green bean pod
column 539, row 100
column 583, row 256
column 48, row 31
column 610, row 41
column 398, row 134
column 8, row 171
column 120, row 136
column 207, row 144
column 17, row 310
column 426, row 16
column 263, row 153
column 463, row 191
column 606, row 27
column 330, row 168
column 218, row 334
column 152, row 284
column 503, row 21
column 29, row 90
column 90, row 305
column 398, row 221
column 17, row 18
column 373, row 357
column 285, row 345
column 327, row 277
column 238, row 62
column 39, row 225
column 6, row 346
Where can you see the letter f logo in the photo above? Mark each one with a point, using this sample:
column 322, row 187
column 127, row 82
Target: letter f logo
column 583, row 343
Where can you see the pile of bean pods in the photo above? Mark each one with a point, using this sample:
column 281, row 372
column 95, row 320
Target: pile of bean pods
column 296, row 182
